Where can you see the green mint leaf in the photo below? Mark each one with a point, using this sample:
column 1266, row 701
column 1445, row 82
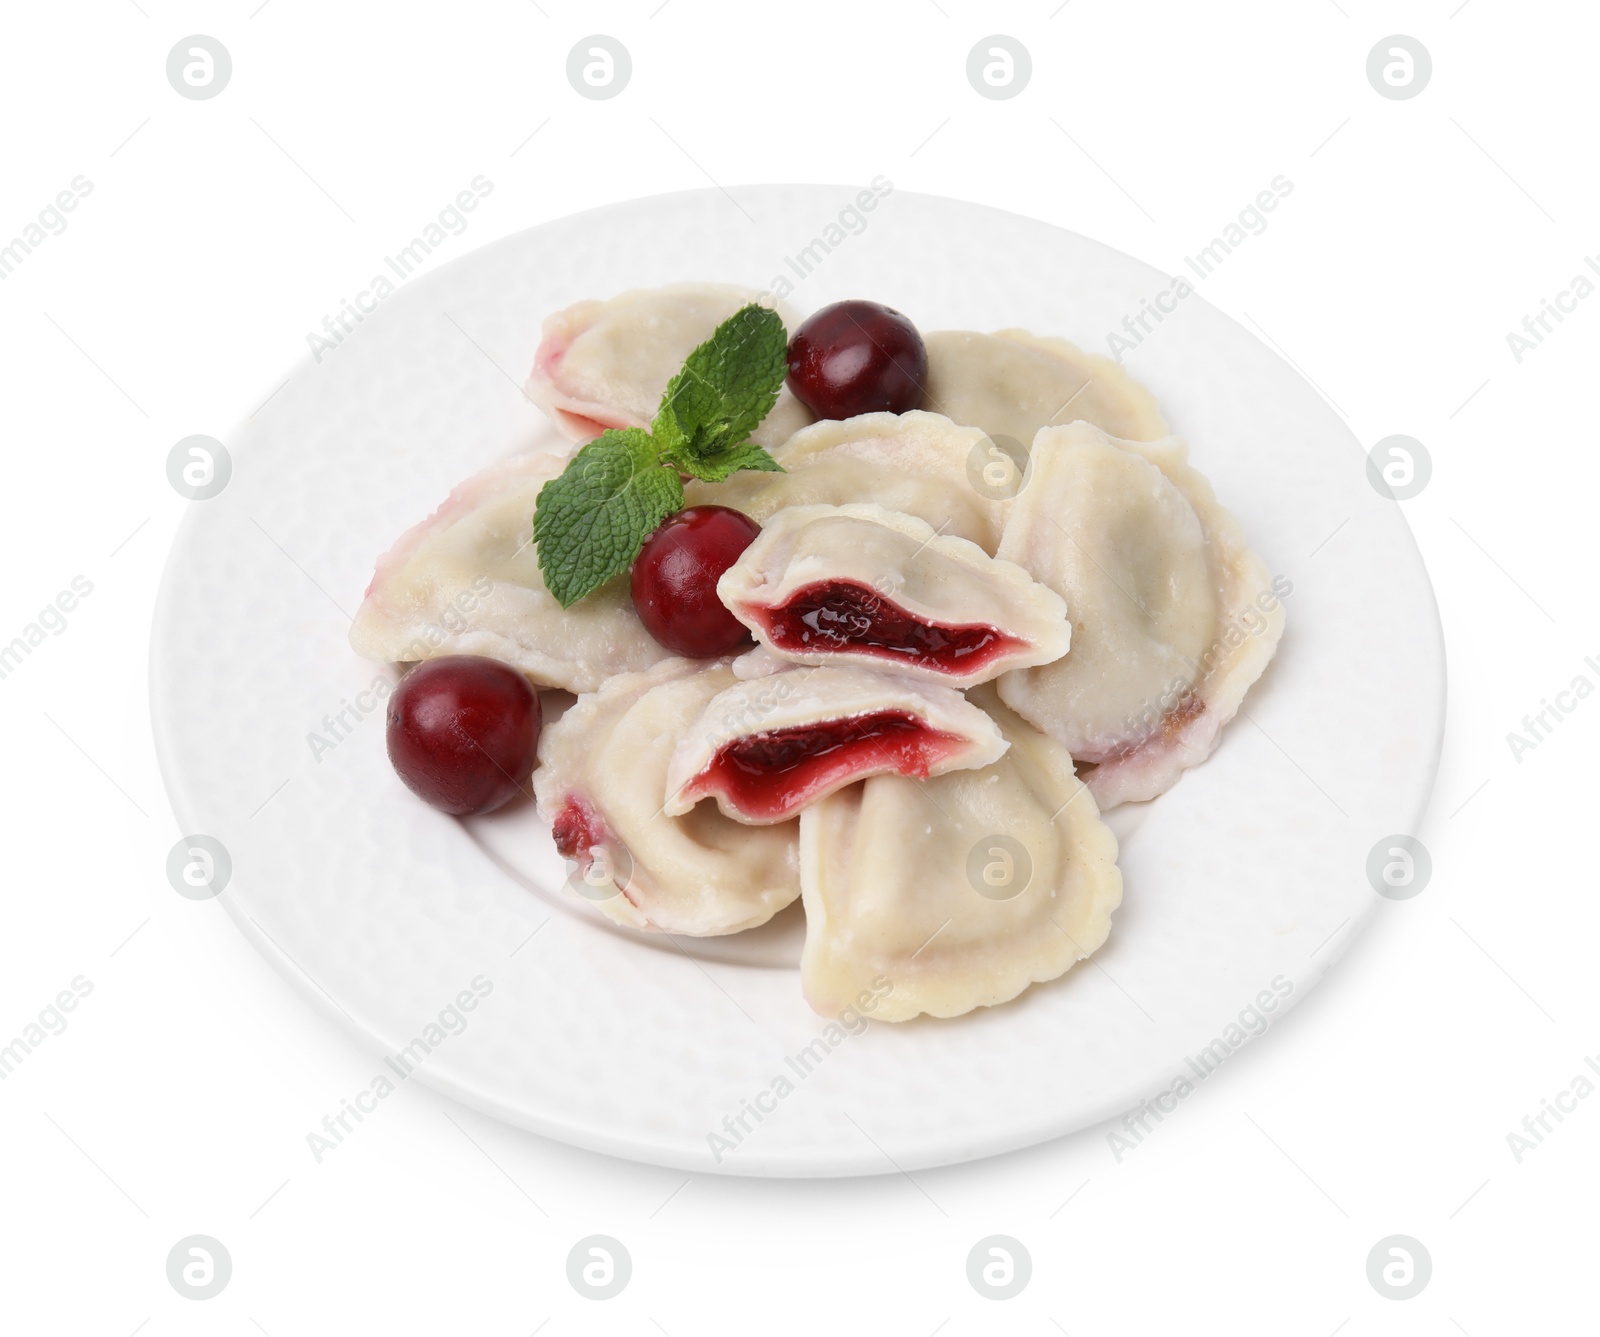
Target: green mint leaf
column 590, row 522
column 716, row 467
column 727, row 386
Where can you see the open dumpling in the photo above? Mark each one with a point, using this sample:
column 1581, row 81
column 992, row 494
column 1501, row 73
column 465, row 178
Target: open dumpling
column 1173, row 616
column 918, row 463
column 958, row 892
column 466, row 582
column 601, row 776
column 864, row 584
column 1012, row 383
column 767, row 748
column 607, row 364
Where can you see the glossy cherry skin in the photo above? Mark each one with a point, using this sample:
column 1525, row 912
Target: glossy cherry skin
column 674, row 580
column 858, row 357
column 464, row 733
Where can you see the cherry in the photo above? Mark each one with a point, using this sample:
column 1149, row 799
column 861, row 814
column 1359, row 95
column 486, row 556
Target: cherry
column 674, row 580
column 857, row 357
column 464, row 732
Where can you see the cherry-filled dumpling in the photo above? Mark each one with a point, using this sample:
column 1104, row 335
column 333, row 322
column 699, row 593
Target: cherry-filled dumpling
column 958, row 892
column 466, row 581
column 764, row 749
column 1012, row 383
column 1173, row 616
column 607, row 364
column 919, row 463
column 602, row 772
column 863, row 584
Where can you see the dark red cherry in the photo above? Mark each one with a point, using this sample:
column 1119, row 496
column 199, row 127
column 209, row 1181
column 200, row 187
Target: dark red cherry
column 858, row 357
column 464, row 732
column 674, row 580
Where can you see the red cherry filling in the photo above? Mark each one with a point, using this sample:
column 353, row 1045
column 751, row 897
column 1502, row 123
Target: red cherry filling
column 841, row 615
column 674, row 580
column 772, row 774
column 857, row 357
column 577, row 830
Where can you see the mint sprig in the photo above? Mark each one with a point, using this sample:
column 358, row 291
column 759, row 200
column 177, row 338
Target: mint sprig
column 724, row 390
column 590, row 522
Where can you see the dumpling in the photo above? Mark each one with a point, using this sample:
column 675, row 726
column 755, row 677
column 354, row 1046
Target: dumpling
column 759, row 663
column 918, row 463
column 948, row 894
column 600, row 780
column 1173, row 616
column 466, row 582
column 767, row 748
column 607, row 364
column 1012, row 383
column 863, row 584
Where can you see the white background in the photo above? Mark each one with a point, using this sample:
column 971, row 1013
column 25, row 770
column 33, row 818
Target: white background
column 1419, row 233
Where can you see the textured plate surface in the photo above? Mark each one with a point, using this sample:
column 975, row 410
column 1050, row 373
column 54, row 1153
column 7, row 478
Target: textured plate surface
column 383, row 911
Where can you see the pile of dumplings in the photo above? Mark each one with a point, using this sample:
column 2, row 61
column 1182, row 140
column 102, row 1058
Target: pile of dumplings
column 1039, row 494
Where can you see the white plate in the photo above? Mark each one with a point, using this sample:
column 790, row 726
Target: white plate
column 383, row 911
